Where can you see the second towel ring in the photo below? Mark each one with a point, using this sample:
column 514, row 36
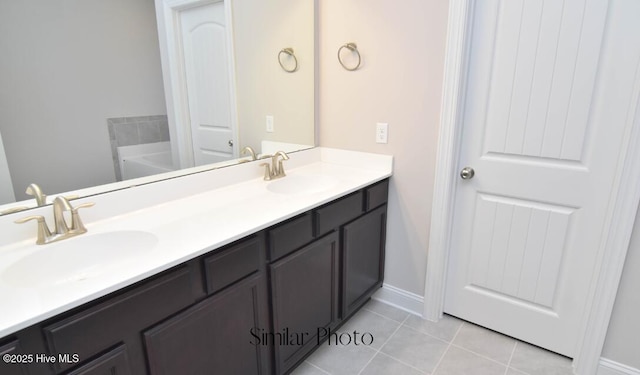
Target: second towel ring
column 353, row 48
column 288, row 51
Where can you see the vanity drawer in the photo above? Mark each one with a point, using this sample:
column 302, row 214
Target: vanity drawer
column 337, row 213
column 114, row 320
column 376, row 195
column 233, row 263
column 290, row 236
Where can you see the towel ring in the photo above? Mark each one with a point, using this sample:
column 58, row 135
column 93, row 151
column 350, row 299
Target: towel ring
column 353, row 48
column 288, row 51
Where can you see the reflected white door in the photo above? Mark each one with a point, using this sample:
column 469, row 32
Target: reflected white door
column 208, row 72
column 550, row 87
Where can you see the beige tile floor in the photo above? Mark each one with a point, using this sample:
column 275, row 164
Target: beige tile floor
column 405, row 344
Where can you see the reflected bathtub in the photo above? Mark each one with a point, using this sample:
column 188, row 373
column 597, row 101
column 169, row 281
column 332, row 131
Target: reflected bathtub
column 145, row 160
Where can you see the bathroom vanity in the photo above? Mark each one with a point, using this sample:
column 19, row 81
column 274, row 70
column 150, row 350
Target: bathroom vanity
column 260, row 297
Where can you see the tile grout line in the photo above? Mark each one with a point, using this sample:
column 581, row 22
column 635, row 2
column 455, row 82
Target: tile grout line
column 402, row 324
column 515, row 344
column 319, row 368
column 450, row 343
column 479, row 355
column 385, row 341
column 375, row 350
column 435, row 369
column 386, row 317
column 432, row 336
column 400, row 361
column 462, row 347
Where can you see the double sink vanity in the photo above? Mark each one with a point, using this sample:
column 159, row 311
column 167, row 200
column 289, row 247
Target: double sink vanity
column 219, row 272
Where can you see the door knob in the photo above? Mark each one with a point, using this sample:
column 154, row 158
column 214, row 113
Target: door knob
column 467, row 173
column 230, row 143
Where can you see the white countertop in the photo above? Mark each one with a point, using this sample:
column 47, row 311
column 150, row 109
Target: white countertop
column 186, row 226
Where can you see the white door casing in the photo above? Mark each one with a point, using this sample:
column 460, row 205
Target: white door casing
column 554, row 85
column 196, row 47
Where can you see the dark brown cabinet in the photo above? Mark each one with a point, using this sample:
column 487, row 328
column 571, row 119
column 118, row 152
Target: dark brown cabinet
column 25, row 344
column 215, row 335
column 305, row 297
column 257, row 306
column 335, row 263
column 16, row 363
column 115, row 362
column 120, row 319
column 332, row 215
column 362, row 259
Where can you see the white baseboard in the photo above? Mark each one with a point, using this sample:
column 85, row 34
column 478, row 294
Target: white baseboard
column 609, row 367
column 407, row 301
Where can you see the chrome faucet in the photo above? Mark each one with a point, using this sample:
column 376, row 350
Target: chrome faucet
column 62, row 229
column 276, row 169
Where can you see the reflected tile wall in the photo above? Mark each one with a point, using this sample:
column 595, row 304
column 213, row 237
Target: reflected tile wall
column 135, row 130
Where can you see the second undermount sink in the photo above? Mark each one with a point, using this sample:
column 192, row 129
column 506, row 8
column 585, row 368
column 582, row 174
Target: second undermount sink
column 302, row 184
column 79, row 258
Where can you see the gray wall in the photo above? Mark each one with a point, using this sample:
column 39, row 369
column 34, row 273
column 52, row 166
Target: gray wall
column 66, row 67
column 623, row 338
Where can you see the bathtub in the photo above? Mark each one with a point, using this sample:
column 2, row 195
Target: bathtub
column 145, row 160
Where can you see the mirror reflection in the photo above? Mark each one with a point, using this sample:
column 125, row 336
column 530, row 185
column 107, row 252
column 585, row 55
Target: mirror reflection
column 93, row 92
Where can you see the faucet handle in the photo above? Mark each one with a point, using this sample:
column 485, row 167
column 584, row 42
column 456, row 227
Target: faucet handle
column 43, row 229
column 76, row 223
column 267, row 171
column 29, row 218
column 84, row 205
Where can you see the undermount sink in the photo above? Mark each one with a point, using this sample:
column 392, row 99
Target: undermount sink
column 302, row 184
column 79, row 258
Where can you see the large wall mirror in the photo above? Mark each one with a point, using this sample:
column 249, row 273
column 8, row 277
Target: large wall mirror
column 89, row 95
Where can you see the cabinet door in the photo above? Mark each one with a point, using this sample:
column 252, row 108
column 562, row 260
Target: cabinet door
column 114, row 362
column 304, row 287
column 15, row 365
column 121, row 318
column 214, row 336
column 24, row 344
column 363, row 258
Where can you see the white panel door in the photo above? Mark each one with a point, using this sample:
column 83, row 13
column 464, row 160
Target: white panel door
column 549, row 88
column 208, row 76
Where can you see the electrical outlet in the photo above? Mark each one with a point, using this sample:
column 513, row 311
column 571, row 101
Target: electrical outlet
column 382, row 132
column 270, row 128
